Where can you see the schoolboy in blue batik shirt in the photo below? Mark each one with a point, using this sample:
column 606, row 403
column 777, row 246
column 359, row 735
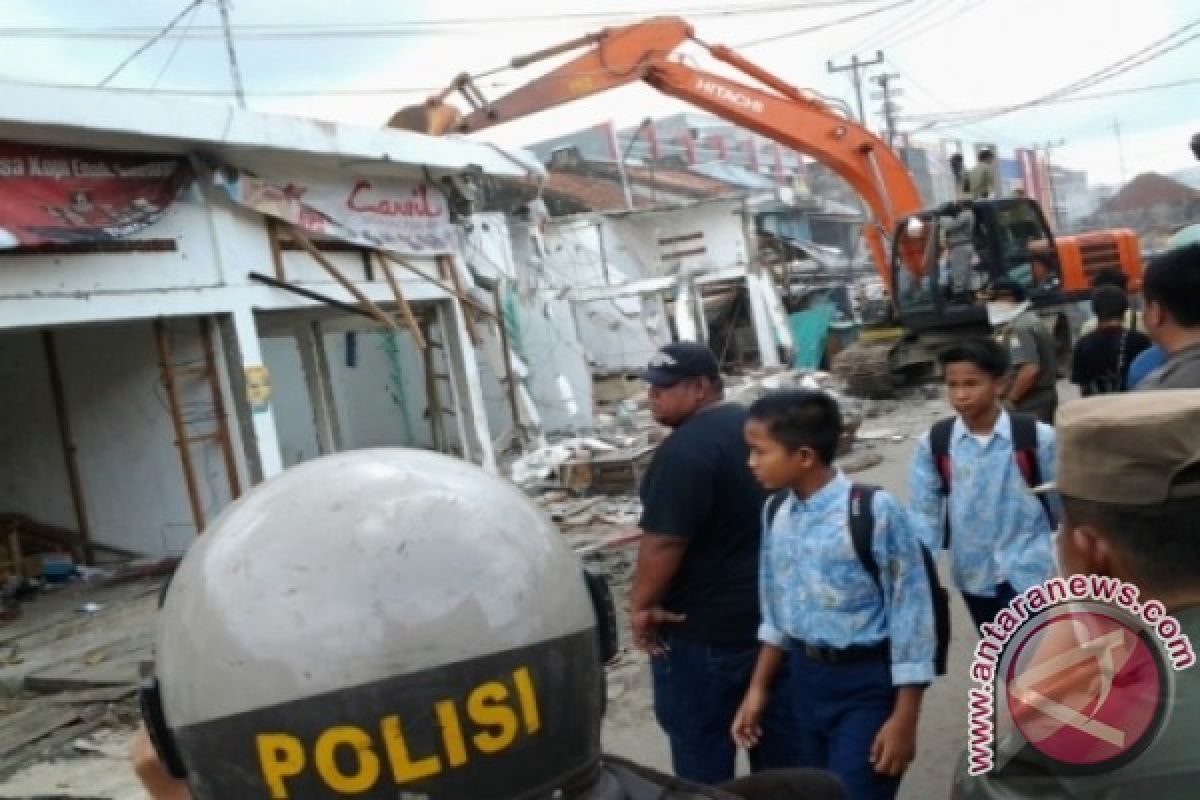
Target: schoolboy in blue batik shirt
column 860, row 648
column 999, row 532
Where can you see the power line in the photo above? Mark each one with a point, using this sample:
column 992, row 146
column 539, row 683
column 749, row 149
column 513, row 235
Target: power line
column 913, row 34
column 151, row 41
column 235, row 72
column 911, row 23
column 375, row 30
column 951, row 118
column 822, row 26
column 1113, row 70
column 383, row 91
column 175, row 50
column 874, row 35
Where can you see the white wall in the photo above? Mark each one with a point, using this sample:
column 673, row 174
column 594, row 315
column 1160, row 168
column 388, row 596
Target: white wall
column 294, row 415
column 552, row 348
column 130, row 469
column 371, row 395
column 33, row 478
column 719, row 223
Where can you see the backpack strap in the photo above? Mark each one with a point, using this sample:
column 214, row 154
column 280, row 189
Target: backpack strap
column 774, row 503
column 939, row 445
column 1025, row 447
column 1025, row 453
column 861, row 521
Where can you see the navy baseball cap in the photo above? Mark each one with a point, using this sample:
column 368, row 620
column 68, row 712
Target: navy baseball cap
column 678, row 361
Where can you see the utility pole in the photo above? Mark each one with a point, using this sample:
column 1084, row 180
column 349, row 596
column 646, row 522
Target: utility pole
column 238, row 91
column 855, row 67
column 1120, row 148
column 1049, row 147
column 889, row 108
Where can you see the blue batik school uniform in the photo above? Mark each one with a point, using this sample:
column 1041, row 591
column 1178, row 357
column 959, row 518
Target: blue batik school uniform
column 1000, row 542
column 851, row 640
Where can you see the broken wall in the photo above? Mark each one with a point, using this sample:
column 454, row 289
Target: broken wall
column 615, row 334
column 705, row 236
column 509, row 255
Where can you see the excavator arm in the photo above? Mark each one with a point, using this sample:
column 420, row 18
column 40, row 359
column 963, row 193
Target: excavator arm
column 781, row 112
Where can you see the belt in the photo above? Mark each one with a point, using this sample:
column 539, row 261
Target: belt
column 843, row 655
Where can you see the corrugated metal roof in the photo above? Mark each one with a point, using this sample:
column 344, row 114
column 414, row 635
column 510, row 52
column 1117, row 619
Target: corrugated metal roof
column 677, row 180
column 733, row 175
column 596, row 194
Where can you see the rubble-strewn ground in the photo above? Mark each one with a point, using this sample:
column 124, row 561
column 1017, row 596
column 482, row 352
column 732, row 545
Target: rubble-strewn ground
column 92, row 763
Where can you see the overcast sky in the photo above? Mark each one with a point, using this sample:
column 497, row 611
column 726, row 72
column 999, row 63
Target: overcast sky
column 951, row 55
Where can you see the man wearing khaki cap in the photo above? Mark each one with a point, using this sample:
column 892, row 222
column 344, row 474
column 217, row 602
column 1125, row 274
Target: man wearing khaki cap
column 1128, row 474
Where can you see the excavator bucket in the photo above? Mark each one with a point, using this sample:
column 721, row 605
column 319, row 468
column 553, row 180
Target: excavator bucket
column 433, row 117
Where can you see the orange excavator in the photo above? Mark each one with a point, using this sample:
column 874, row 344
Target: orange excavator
column 1011, row 236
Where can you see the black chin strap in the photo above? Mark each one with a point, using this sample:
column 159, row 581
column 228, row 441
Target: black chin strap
column 150, row 699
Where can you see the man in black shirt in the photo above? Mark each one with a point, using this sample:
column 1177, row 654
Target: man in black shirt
column 694, row 601
column 1102, row 358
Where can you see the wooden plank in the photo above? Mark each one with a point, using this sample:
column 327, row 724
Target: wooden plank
column 276, row 249
column 438, row 282
column 447, row 264
column 87, row 697
column 166, row 365
column 52, row 742
column 74, row 482
column 98, row 677
column 375, row 311
column 401, row 302
column 32, row 723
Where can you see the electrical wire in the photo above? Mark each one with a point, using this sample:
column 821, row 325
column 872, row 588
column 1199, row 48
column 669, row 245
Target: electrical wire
column 911, row 23
column 175, row 50
column 425, row 27
column 1117, row 68
column 920, row 11
column 151, row 41
column 1071, row 99
column 822, row 26
column 913, row 34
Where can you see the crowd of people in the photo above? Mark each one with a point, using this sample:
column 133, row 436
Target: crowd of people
column 843, row 645
column 787, row 611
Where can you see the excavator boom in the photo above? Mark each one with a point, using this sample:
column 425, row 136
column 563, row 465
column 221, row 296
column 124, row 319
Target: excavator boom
column 780, row 111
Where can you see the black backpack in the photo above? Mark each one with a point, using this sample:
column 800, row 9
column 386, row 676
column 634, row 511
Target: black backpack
column 1025, row 449
column 861, row 522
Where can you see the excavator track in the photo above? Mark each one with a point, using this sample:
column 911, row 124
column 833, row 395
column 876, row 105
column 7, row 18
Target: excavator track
column 864, row 367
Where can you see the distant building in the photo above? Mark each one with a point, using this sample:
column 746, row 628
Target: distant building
column 1154, row 205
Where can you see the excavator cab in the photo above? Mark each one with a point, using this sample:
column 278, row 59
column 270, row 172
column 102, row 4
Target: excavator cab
column 1009, row 238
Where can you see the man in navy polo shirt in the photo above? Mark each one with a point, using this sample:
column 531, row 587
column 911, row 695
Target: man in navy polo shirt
column 694, row 602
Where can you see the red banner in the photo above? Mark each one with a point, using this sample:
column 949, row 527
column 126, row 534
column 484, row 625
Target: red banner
column 59, row 196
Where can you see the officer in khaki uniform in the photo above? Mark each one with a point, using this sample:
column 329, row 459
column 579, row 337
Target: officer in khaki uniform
column 1032, row 382
column 1129, row 477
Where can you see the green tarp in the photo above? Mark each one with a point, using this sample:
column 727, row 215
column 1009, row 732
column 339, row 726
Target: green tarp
column 810, row 329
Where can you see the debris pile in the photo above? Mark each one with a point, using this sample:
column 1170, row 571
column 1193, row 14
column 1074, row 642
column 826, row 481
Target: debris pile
column 70, row 667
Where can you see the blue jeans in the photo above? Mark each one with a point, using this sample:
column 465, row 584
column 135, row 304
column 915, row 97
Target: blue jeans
column 840, row 708
column 984, row 609
column 698, row 688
